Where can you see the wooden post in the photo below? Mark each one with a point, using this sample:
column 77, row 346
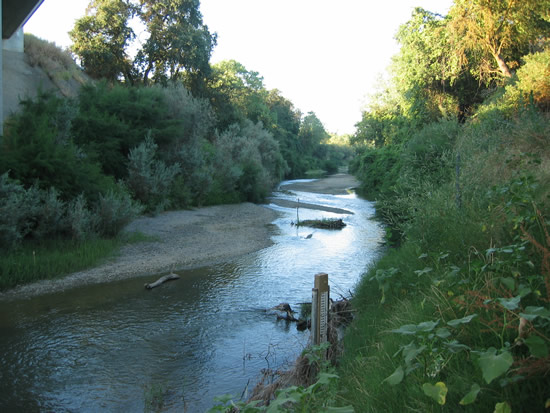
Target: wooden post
column 319, row 309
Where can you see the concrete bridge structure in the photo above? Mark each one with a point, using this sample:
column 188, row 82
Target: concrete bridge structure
column 14, row 14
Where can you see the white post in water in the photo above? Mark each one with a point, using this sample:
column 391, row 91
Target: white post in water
column 319, row 309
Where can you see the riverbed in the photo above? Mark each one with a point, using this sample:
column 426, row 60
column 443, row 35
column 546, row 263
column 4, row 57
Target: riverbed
column 118, row 347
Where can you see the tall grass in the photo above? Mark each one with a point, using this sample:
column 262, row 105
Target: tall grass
column 55, row 258
column 446, row 322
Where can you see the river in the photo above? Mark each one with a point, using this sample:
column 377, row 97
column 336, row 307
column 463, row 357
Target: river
column 115, row 347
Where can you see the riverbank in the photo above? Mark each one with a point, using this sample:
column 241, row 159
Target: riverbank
column 186, row 239
column 180, row 240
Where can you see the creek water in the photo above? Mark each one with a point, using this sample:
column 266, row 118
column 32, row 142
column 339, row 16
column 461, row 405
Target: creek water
column 118, row 347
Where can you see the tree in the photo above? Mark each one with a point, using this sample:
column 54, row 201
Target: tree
column 178, row 40
column 497, row 32
column 178, row 46
column 312, row 134
column 427, row 71
column 101, row 38
column 237, row 94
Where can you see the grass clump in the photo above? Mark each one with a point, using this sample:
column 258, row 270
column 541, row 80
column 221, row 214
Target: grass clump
column 35, row 261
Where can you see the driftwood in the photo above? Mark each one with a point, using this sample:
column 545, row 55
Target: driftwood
column 162, row 280
column 285, row 308
column 325, row 223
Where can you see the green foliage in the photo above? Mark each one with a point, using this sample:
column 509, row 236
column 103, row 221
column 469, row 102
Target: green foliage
column 533, row 84
column 248, row 161
column 178, row 45
column 456, row 303
column 237, row 94
column 114, row 211
column 114, row 119
column 38, row 148
column 150, row 180
column 496, row 34
column 378, row 170
column 41, row 215
column 101, row 38
column 39, row 260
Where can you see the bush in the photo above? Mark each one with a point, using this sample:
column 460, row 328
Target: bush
column 248, row 161
column 51, row 217
column 12, row 212
column 113, row 119
column 115, row 210
column 378, row 170
column 38, row 148
column 150, row 180
column 82, row 223
column 533, row 81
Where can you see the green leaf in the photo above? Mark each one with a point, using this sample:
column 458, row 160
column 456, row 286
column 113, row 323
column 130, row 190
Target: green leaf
column 509, row 282
column 503, row 407
column 407, row 329
column 424, row 271
column 537, row 346
column 396, row 377
column 411, row 352
column 326, row 378
column 427, row 326
column 510, row 303
column 471, row 396
column 442, row 332
column 494, row 365
column 531, row 313
column 438, row 392
column 345, row 409
column 463, row 320
column 455, row 346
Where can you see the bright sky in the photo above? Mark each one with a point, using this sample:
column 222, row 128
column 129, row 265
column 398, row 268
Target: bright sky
column 323, row 55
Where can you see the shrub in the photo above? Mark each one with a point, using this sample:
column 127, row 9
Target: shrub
column 533, row 81
column 115, row 210
column 37, row 148
column 113, row 119
column 82, row 223
column 12, row 202
column 378, row 170
column 248, row 161
column 51, row 217
column 150, row 180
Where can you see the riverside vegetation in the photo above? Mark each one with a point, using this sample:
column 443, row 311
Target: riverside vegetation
column 76, row 167
column 454, row 149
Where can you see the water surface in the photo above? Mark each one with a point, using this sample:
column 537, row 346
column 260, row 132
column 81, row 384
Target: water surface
column 111, row 347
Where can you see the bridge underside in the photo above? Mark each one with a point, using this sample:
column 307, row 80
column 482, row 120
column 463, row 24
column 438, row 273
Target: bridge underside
column 13, row 15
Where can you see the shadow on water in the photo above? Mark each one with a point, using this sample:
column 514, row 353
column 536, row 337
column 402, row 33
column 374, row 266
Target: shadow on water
column 114, row 346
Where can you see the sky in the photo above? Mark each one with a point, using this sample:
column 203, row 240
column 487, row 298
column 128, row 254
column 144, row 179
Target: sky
column 325, row 56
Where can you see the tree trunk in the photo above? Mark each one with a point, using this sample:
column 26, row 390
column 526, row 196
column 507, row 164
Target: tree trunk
column 503, row 67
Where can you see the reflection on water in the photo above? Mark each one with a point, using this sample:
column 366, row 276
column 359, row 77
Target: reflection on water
column 108, row 347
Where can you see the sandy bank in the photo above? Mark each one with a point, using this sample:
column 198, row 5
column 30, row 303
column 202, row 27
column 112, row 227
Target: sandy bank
column 188, row 239
column 183, row 239
column 339, row 184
